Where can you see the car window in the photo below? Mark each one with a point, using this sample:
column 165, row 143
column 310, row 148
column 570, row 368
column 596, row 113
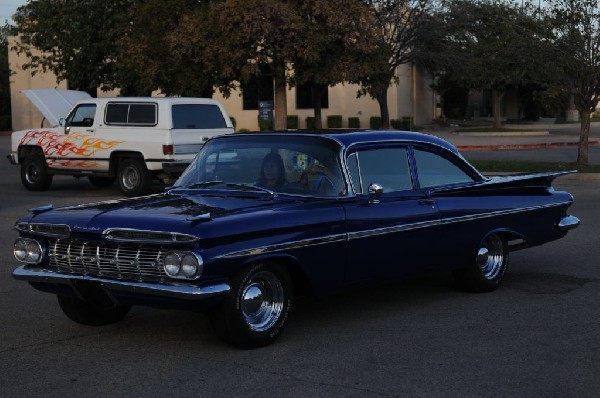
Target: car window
column 135, row 114
column 434, row 170
column 82, row 116
column 387, row 167
column 197, row 116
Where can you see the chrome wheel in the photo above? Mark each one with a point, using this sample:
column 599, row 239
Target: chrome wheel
column 32, row 173
column 490, row 257
column 262, row 301
column 130, row 177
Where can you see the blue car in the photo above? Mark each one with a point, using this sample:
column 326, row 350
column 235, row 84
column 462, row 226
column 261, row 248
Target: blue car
column 259, row 218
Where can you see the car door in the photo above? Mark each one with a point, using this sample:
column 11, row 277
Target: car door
column 75, row 148
column 391, row 233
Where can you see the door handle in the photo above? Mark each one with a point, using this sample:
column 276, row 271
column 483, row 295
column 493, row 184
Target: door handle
column 427, row 202
column 90, row 130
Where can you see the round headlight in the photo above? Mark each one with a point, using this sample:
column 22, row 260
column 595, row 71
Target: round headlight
column 20, row 249
column 189, row 266
column 34, row 252
column 172, row 264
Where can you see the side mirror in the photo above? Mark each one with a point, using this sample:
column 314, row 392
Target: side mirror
column 61, row 122
column 375, row 191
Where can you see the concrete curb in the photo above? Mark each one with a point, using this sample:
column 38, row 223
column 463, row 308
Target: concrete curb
column 543, row 145
column 536, row 133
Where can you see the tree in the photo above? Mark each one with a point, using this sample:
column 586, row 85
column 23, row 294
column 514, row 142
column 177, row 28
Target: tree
column 493, row 45
column 396, row 23
column 577, row 29
column 77, row 39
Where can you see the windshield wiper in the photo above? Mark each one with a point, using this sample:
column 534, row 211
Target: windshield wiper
column 250, row 187
column 206, row 184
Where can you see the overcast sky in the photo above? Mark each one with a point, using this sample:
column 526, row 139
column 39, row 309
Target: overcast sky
column 8, row 8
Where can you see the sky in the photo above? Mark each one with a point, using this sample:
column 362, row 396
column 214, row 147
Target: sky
column 8, row 8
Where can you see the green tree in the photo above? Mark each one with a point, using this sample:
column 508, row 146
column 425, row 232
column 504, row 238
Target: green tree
column 577, row 29
column 77, row 40
column 395, row 27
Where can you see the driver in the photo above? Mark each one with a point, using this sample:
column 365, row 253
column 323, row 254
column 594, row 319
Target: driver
column 272, row 172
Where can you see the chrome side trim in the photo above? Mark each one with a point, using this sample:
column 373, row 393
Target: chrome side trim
column 147, row 236
column 174, row 290
column 568, row 222
column 285, row 246
column 42, row 229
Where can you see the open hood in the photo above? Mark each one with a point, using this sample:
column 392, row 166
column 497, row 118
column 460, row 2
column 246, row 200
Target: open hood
column 55, row 104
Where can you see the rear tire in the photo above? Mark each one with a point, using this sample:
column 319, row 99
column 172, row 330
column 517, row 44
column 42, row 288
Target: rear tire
column 86, row 313
column 488, row 268
column 34, row 173
column 101, row 182
column 134, row 177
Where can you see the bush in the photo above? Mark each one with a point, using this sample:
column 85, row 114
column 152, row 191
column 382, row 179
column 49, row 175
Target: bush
column 407, row 123
column 310, row 123
column 353, row 123
column 334, row 121
column 5, row 123
column 265, row 125
column 375, row 122
column 292, row 122
column 396, row 124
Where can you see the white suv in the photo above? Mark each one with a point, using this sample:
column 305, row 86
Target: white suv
column 133, row 140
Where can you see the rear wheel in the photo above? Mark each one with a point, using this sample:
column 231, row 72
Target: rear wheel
column 91, row 314
column 134, row 177
column 101, row 182
column 34, row 173
column 489, row 267
column 255, row 312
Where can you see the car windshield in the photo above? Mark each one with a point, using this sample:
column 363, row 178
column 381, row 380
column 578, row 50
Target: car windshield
column 303, row 165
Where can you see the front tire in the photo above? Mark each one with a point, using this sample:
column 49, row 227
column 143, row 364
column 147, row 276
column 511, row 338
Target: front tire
column 86, row 313
column 256, row 311
column 487, row 270
column 134, row 177
column 34, row 173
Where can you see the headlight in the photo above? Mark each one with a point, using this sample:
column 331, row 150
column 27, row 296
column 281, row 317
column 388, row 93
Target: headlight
column 182, row 265
column 28, row 251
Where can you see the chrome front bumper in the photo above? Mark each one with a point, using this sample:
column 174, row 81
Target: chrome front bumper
column 173, row 290
column 568, row 222
column 12, row 159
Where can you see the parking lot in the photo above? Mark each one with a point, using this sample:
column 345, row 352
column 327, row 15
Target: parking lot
column 538, row 335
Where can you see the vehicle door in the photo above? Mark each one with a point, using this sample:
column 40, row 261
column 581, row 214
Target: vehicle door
column 391, row 232
column 74, row 149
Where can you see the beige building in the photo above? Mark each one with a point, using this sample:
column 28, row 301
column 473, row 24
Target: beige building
column 411, row 97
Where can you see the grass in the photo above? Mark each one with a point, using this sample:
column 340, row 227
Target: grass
column 502, row 166
column 490, row 130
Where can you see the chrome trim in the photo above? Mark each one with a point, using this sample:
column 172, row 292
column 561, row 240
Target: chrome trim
column 41, row 209
column 205, row 216
column 44, row 229
column 174, row 290
column 568, row 222
column 161, row 237
column 26, row 241
column 285, row 246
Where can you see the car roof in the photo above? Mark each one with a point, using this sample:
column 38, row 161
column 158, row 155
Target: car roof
column 352, row 137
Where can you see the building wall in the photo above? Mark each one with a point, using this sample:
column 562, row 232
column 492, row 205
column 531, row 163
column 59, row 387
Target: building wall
column 342, row 99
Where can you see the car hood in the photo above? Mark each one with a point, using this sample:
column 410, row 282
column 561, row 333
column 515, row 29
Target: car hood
column 163, row 212
column 55, row 104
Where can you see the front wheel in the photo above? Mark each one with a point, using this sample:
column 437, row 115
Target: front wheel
column 255, row 312
column 91, row 314
column 34, row 173
column 134, row 177
column 488, row 269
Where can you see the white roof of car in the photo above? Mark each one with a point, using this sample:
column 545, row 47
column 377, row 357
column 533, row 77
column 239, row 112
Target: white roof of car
column 54, row 103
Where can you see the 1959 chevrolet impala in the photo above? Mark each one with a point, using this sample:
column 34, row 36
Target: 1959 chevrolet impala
column 258, row 218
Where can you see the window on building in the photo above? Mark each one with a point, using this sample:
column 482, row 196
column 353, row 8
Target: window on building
column 304, row 97
column 257, row 88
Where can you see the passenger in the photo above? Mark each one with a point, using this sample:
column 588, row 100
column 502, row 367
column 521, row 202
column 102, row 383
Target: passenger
column 272, row 172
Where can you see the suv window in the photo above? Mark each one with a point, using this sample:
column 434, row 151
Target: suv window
column 135, row 114
column 197, row 116
column 434, row 170
column 82, row 116
column 387, row 167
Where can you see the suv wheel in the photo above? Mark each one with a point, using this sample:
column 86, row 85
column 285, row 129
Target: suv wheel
column 34, row 173
column 134, row 177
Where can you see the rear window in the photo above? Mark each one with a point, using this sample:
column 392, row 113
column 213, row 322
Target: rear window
column 131, row 114
column 197, row 116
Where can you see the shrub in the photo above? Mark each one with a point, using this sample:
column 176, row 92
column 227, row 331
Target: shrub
column 265, row 125
column 292, row 122
column 353, row 123
column 310, row 123
column 375, row 122
column 334, row 121
column 396, row 123
column 407, row 123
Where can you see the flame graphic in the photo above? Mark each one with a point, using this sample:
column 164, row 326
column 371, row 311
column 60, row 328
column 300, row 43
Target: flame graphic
column 78, row 144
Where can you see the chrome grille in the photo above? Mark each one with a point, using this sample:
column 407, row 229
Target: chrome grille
column 109, row 260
